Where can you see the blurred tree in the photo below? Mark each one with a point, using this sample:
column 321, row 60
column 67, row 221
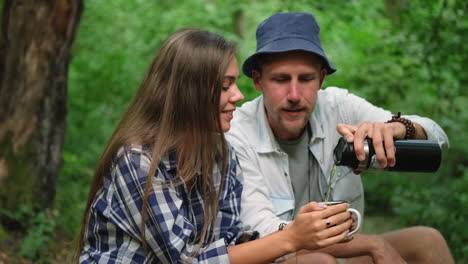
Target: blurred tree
column 393, row 9
column 238, row 23
column 35, row 43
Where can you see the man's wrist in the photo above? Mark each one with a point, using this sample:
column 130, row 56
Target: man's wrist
column 410, row 130
column 399, row 130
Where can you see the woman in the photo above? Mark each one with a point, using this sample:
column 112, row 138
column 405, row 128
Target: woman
column 167, row 188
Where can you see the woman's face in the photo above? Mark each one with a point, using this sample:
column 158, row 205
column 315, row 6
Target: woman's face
column 230, row 95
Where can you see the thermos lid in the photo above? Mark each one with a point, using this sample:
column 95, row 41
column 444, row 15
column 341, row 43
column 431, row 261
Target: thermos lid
column 344, row 154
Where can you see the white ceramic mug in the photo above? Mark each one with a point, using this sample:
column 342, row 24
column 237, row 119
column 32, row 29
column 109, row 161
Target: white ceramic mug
column 351, row 210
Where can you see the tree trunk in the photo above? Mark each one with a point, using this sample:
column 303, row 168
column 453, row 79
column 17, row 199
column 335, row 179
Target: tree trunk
column 238, row 23
column 393, row 9
column 35, row 44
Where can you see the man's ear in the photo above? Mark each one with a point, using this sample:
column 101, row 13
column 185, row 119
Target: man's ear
column 256, row 77
column 323, row 74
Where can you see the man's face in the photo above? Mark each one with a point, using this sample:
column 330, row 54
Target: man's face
column 289, row 82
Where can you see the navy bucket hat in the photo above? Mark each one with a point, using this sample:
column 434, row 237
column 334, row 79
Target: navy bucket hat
column 283, row 32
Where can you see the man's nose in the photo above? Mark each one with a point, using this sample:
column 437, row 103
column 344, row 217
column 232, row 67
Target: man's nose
column 293, row 93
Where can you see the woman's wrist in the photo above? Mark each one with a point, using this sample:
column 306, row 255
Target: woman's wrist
column 290, row 240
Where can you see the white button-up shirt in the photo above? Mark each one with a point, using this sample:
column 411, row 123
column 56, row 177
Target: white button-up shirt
column 268, row 197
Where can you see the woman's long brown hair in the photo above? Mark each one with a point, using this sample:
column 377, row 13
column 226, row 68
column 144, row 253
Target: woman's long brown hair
column 176, row 109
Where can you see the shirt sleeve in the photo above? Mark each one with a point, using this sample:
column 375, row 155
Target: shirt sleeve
column 257, row 208
column 356, row 110
column 230, row 205
column 169, row 233
column 433, row 130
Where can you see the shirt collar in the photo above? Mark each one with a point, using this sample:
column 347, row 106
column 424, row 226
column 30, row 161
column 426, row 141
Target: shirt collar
column 267, row 139
column 316, row 124
column 169, row 161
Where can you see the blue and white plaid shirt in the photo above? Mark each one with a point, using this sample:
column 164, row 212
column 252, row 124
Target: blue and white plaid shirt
column 174, row 219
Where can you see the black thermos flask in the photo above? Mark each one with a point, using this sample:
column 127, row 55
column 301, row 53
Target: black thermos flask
column 410, row 155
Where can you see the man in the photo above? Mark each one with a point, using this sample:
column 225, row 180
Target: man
column 285, row 139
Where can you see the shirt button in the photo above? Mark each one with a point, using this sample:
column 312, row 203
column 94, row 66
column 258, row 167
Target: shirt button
column 285, row 174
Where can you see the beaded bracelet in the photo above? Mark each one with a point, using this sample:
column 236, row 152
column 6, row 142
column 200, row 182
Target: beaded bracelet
column 410, row 130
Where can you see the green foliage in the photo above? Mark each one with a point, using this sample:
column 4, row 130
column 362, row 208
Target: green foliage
column 410, row 59
column 39, row 227
column 39, row 234
column 22, row 213
column 441, row 206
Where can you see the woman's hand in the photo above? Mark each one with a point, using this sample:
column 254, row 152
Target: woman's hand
column 315, row 228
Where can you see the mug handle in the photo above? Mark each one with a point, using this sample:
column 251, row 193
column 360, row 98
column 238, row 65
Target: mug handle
column 359, row 220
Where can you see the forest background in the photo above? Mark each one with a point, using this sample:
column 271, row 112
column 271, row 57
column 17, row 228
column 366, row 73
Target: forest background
column 407, row 56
